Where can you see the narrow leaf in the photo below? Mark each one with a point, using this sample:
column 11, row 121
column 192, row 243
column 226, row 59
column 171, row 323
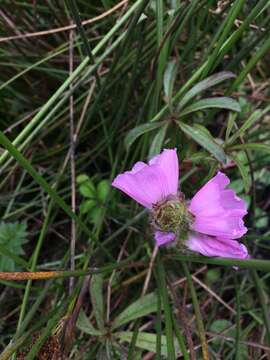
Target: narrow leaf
column 244, row 173
column 203, row 85
column 231, row 120
column 140, row 130
column 144, row 306
column 169, row 79
column 161, row 282
column 85, row 326
column 204, row 140
column 157, row 142
column 146, row 341
column 103, row 189
column 214, row 102
column 252, row 146
column 97, row 299
column 247, row 124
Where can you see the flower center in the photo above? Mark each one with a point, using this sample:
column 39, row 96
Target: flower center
column 172, row 215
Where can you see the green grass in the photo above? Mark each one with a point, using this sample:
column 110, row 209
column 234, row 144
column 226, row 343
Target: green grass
column 147, row 75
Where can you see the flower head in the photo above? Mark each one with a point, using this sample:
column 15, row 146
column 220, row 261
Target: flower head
column 208, row 224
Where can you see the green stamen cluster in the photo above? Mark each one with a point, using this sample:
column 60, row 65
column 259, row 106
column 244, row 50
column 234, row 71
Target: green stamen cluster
column 172, row 215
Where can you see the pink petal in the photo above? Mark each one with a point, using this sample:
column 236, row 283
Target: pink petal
column 163, row 238
column 149, row 184
column 218, row 211
column 137, row 167
column 168, row 163
column 210, row 246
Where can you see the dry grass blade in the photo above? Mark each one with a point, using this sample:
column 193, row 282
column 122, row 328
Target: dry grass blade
column 65, row 28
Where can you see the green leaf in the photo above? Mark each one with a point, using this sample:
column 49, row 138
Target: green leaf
column 237, row 186
column 87, row 189
column 252, row 146
column 158, row 140
column 96, row 294
column 12, row 237
column 140, row 130
column 220, row 325
column 244, row 171
column 213, row 275
column 263, row 175
column 247, row 124
column 87, row 206
column 230, row 124
column 203, row 85
column 103, row 189
column 95, row 214
column 146, row 341
column 85, row 326
column 203, row 129
column 261, row 218
column 204, row 140
column 9, row 260
column 169, row 79
column 214, row 102
column 82, row 178
column 144, row 306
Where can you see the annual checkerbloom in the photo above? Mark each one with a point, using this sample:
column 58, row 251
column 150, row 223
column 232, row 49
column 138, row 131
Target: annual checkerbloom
column 209, row 224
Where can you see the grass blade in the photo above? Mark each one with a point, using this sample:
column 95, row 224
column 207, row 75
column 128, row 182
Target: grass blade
column 161, row 280
column 199, row 319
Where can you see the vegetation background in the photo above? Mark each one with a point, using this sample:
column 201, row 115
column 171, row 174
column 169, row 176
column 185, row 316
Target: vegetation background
column 86, row 89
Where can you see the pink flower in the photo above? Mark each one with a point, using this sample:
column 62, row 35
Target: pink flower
column 208, row 224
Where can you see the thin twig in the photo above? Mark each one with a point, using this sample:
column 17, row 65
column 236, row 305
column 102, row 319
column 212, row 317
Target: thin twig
column 232, row 339
column 65, row 28
column 109, row 287
column 86, row 46
column 85, row 107
column 148, row 276
column 80, row 122
column 184, row 279
column 10, row 23
column 211, row 292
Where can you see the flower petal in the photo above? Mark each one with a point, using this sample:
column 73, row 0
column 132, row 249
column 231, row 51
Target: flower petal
column 218, row 211
column 163, row 238
column 210, row 246
column 149, row 184
column 137, row 167
column 168, row 163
